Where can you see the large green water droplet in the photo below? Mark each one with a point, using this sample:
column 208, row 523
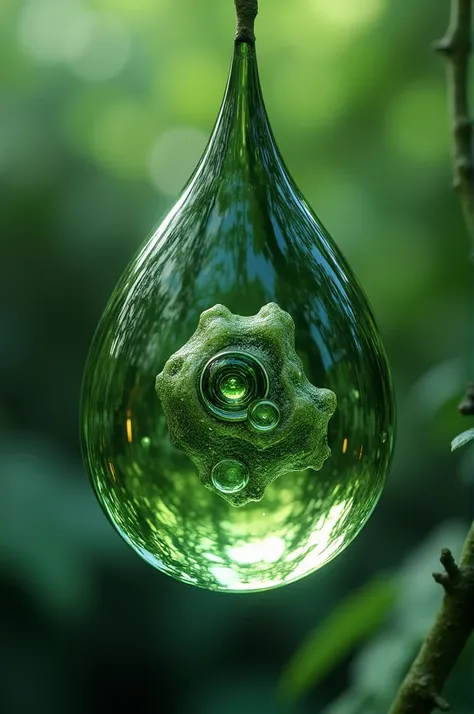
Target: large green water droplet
column 240, row 238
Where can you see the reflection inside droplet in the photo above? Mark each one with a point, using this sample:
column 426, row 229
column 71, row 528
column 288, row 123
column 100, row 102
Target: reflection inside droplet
column 230, row 476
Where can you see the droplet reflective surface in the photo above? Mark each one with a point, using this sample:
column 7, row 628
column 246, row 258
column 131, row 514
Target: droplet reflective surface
column 240, row 238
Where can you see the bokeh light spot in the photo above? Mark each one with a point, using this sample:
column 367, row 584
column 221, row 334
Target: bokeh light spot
column 122, row 136
column 54, row 31
column 173, row 158
column 106, row 50
column 346, row 15
column 138, row 12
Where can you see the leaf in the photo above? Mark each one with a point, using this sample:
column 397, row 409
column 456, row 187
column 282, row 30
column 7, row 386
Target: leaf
column 461, row 439
column 353, row 621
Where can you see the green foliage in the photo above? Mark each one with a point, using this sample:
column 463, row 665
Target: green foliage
column 349, row 624
column 380, row 666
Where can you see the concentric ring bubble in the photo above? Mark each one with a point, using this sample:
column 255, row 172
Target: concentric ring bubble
column 230, row 382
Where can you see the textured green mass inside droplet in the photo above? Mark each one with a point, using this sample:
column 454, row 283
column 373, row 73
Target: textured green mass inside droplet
column 248, row 403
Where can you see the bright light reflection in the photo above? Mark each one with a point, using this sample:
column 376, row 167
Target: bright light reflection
column 226, row 577
column 129, row 430
column 321, row 541
column 269, row 550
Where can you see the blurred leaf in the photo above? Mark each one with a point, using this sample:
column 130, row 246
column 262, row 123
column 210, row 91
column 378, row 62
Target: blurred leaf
column 435, row 388
column 351, row 702
column 51, row 532
column 351, row 622
column 461, row 439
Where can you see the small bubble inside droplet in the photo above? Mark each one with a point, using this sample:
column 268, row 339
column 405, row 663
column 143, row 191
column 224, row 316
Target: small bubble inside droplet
column 383, row 437
column 146, row 442
column 264, row 415
column 230, row 476
column 233, row 387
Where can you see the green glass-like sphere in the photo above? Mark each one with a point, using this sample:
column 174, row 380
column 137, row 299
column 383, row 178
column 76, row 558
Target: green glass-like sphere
column 229, row 476
column 233, row 388
column 236, row 470
column 264, row 415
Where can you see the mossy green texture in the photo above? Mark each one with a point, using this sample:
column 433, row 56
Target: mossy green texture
column 300, row 439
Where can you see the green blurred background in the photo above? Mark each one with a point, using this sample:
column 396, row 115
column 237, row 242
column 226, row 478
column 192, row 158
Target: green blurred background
column 105, row 106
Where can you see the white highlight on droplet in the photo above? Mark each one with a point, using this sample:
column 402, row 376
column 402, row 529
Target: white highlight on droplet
column 270, row 550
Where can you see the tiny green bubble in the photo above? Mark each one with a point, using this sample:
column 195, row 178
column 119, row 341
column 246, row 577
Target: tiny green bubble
column 233, row 387
column 264, row 415
column 230, row 476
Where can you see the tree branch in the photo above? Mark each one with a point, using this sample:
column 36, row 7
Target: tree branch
column 456, row 48
column 420, row 692
column 246, row 11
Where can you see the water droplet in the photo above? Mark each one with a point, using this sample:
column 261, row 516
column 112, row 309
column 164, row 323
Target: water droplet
column 264, row 415
column 230, row 476
column 146, row 442
column 241, row 299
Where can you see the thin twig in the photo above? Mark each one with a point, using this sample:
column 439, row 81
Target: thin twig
column 246, row 11
column 456, row 48
column 421, row 690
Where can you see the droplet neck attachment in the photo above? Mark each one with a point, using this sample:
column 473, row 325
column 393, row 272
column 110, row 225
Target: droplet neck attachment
column 246, row 11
